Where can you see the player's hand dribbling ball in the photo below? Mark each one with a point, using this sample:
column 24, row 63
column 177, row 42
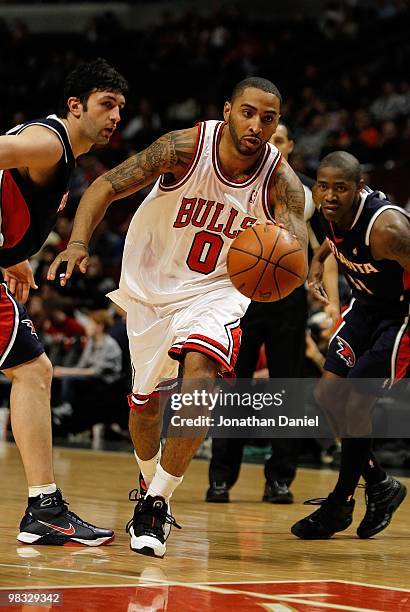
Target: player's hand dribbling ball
column 266, row 263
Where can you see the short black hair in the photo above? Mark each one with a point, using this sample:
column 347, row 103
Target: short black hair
column 289, row 128
column 258, row 83
column 97, row 75
column 348, row 163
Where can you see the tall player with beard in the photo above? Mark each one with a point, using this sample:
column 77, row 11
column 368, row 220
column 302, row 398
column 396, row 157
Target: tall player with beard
column 36, row 161
column 212, row 181
column 370, row 238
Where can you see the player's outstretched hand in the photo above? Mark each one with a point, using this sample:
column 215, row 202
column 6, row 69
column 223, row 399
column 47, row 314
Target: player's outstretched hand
column 20, row 280
column 315, row 281
column 75, row 255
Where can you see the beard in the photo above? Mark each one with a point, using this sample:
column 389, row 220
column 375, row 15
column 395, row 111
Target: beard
column 242, row 149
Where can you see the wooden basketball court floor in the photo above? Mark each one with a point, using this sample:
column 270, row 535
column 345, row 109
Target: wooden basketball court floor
column 237, row 556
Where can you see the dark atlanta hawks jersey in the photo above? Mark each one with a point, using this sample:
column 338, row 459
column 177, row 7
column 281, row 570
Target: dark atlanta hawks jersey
column 27, row 211
column 378, row 284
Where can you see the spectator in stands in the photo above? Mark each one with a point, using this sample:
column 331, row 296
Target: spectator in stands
column 63, row 334
column 86, row 386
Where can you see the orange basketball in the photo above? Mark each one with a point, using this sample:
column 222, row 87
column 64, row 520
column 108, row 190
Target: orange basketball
column 266, row 263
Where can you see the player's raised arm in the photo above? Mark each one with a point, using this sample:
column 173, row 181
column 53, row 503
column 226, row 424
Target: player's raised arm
column 171, row 153
column 287, row 199
column 390, row 238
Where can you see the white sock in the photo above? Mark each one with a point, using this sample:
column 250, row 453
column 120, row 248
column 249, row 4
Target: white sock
column 42, row 489
column 163, row 484
column 149, row 466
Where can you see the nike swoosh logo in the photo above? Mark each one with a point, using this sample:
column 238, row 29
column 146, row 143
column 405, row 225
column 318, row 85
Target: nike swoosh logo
column 69, row 531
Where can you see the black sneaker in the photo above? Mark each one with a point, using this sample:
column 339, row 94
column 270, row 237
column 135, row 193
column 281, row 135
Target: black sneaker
column 332, row 516
column 218, row 493
column 48, row 521
column 382, row 499
column 147, row 526
column 277, row 493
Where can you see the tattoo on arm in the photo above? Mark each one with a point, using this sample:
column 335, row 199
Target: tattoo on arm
column 288, row 203
column 170, row 153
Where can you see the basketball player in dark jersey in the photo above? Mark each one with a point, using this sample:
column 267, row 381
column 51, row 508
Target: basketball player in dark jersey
column 36, row 160
column 371, row 240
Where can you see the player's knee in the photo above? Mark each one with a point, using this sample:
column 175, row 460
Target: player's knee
column 37, row 373
column 148, row 414
column 197, row 365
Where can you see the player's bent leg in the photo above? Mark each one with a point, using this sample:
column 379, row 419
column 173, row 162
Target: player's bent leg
column 332, row 516
column 47, row 519
column 331, row 394
column 31, row 417
column 382, row 498
column 149, row 526
column 145, row 429
column 200, row 372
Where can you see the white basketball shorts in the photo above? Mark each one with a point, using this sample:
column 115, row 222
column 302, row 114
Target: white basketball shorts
column 160, row 335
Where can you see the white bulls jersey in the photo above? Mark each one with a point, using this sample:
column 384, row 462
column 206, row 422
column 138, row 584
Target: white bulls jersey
column 177, row 242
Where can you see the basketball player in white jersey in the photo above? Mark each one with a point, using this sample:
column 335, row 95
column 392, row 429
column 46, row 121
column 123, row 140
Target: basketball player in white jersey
column 212, row 181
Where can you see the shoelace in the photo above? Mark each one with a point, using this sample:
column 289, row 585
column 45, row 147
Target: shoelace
column 169, row 519
column 72, row 515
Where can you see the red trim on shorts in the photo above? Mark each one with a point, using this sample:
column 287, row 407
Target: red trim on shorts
column 143, row 399
column 403, row 356
column 228, row 364
column 7, row 318
column 131, row 397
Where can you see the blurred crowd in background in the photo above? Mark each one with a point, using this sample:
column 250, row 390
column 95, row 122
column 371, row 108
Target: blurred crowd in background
column 345, row 85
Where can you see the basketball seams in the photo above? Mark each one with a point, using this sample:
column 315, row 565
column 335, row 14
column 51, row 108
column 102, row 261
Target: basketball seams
column 249, row 268
column 279, row 265
column 287, row 270
column 258, row 259
column 263, row 259
column 255, row 233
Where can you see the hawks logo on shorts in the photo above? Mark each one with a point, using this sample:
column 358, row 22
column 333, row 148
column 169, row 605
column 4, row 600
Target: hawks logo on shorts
column 30, row 325
column 346, row 352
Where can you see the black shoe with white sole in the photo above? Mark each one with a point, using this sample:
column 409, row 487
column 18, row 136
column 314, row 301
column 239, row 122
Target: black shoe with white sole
column 148, row 526
column 48, row 521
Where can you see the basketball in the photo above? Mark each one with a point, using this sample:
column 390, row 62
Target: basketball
column 266, row 263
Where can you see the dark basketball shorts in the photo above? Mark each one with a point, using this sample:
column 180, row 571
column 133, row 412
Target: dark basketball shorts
column 19, row 342
column 367, row 345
